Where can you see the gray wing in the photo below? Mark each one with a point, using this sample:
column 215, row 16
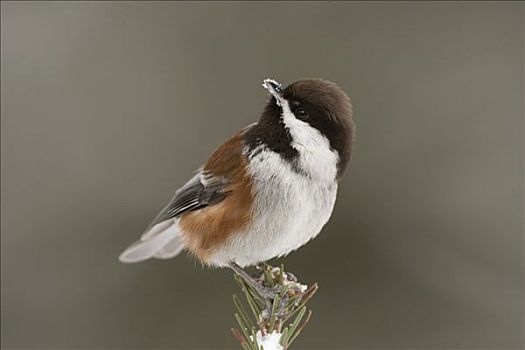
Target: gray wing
column 162, row 239
column 200, row 191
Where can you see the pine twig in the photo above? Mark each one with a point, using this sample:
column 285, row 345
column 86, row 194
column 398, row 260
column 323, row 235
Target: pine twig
column 274, row 326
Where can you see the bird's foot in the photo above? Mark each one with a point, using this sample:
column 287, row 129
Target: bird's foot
column 268, row 294
column 271, row 296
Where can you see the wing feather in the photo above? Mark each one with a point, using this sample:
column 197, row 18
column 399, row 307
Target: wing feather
column 201, row 190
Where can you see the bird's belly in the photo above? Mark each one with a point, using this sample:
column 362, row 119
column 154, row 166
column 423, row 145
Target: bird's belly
column 296, row 216
column 290, row 209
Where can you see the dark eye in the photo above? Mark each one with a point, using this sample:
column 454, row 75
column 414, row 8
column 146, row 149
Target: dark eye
column 302, row 114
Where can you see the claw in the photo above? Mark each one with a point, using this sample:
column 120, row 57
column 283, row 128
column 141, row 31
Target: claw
column 291, row 277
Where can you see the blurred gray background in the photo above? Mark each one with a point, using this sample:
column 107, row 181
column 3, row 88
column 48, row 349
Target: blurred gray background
column 108, row 107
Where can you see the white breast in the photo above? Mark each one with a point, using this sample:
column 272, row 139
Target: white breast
column 290, row 205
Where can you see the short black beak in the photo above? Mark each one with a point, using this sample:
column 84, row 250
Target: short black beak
column 275, row 89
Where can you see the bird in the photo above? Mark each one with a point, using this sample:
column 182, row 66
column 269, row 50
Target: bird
column 267, row 190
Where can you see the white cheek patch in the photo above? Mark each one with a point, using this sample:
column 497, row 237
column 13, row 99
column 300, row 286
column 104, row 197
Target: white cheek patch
column 315, row 156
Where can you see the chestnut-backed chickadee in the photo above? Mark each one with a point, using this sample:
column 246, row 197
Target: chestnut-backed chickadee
column 267, row 190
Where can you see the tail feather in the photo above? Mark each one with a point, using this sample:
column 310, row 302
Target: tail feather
column 170, row 250
column 156, row 229
column 161, row 241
